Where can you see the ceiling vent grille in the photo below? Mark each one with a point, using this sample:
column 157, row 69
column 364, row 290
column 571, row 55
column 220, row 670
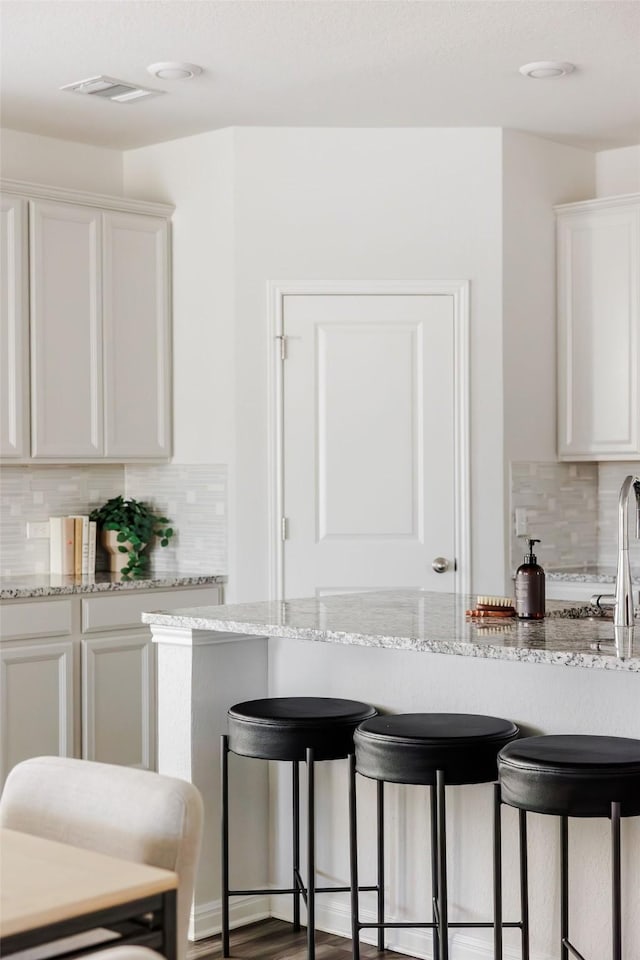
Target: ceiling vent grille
column 108, row 88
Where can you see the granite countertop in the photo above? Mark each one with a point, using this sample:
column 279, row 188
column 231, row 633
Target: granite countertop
column 587, row 574
column 54, row 585
column 424, row 622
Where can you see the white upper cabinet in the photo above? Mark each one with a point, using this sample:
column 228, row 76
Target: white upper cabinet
column 136, row 336
column 14, row 347
column 66, row 331
column 598, row 251
column 98, row 323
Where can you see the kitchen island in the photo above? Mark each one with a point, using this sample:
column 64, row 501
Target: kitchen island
column 403, row 651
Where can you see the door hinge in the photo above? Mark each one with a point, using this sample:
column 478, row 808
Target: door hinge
column 283, row 345
column 284, row 528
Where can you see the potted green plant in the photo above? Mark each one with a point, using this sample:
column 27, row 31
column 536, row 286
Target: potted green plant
column 128, row 527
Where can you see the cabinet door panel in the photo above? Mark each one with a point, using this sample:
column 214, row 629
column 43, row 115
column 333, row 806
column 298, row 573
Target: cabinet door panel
column 118, row 700
column 599, row 332
column 14, row 326
column 66, row 335
column 36, row 702
column 136, row 328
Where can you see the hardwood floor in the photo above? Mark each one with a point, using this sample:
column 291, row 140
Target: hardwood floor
column 276, row 940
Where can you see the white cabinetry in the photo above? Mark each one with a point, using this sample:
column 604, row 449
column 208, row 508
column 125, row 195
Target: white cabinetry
column 78, row 675
column 66, row 331
column 598, row 253
column 36, row 697
column 14, row 347
column 99, row 327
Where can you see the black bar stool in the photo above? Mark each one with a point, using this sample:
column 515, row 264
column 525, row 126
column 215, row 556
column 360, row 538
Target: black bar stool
column 435, row 750
column 576, row 776
column 296, row 729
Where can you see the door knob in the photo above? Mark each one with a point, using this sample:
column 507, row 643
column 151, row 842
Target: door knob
column 440, row 565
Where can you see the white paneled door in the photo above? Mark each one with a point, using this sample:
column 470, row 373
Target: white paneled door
column 369, row 482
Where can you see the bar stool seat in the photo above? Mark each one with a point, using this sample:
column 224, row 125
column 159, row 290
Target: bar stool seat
column 576, row 775
column 411, row 747
column 434, row 750
column 572, row 775
column 283, row 728
column 295, row 729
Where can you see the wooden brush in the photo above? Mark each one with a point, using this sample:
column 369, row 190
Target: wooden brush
column 492, row 607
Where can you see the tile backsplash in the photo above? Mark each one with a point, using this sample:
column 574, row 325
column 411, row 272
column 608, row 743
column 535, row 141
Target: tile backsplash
column 194, row 498
column 573, row 509
column 561, row 500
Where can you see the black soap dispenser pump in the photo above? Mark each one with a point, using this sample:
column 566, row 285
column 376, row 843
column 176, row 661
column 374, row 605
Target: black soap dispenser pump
column 529, row 584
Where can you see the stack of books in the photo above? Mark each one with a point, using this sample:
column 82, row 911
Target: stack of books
column 72, row 546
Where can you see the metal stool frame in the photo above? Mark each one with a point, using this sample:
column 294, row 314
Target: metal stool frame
column 440, row 924
column 298, row 889
column 566, row 947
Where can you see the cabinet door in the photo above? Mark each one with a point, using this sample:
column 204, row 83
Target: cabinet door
column 136, row 336
column 14, row 356
column 36, row 713
column 66, row 335
column 118, row 699
column 599, row 332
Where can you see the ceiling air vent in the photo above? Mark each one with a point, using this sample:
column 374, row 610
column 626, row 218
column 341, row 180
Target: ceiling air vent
column 107, row 88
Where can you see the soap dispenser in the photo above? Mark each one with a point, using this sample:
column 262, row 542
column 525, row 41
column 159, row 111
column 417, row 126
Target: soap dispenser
column 529, row 584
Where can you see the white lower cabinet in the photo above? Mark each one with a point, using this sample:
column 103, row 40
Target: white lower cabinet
column 87, row 686
column 118, row 700
column 36, row 697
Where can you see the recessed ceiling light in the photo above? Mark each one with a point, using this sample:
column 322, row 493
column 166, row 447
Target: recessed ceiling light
column 546, row 69
column 174, row 70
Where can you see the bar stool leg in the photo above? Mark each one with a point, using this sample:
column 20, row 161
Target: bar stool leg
column 524, row 883
column 564, row 887
column 442, row 867
column 380, row 790
column 224, row 776
column 296, row 843
column 497, row 874
column 433, row 801
column 311, row 858
column 353, row 860
column 616, row 882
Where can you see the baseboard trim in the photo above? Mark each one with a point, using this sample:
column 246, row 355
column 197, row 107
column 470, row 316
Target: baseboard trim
column 206, row 918
column 334, row 916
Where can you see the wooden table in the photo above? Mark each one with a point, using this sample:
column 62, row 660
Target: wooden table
column 50, row 890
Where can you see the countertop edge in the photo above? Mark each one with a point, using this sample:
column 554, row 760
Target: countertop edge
column 452, row 647
column 108, row 586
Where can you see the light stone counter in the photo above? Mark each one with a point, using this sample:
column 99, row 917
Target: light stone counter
column 424, row 622
column 56, row 585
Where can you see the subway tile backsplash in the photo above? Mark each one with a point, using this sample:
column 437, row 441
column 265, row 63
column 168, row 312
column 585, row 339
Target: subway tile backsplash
column 37, row 493
column 573, row 509
column 561, row 500
column 610, row 477
column 194, row 497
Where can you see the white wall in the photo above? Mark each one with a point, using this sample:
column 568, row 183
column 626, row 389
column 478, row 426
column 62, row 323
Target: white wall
column 60, row 163
column 618, row 171
column 197, row 175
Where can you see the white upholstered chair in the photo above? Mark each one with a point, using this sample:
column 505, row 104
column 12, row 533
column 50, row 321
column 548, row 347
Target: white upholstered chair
column 133, row 814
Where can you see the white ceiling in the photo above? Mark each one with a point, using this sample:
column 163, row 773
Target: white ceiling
column 350, row 63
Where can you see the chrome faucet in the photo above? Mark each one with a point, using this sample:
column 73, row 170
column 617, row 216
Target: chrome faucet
column 623, row 600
